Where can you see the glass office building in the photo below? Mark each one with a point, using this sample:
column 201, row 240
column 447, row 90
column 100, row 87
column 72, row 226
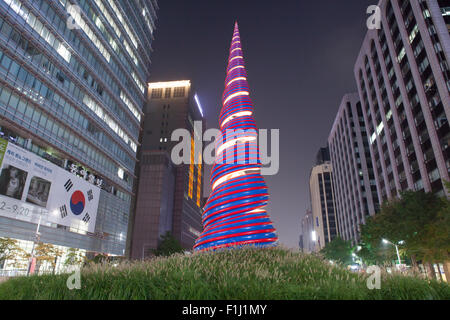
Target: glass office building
column 73, row 77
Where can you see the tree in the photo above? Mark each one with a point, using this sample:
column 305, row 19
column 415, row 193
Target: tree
column 376, row 254
column 46, row 252
column 436, row 236
column 168, row 245
column 419, row 220
column 10, row 250
column 338, row 250
column 73, row 257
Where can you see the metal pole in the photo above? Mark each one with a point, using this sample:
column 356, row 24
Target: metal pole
column 36, row 238
column 398, row 255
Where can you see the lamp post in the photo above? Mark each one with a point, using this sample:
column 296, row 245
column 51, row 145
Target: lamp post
column 314, row 238
column 37, row 236
column 396, row 248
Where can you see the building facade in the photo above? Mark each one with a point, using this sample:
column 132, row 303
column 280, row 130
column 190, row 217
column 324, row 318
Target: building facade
column 171, row 105
column 403, row 79
column 72, row 90
column 154, row 207
column 353, row 177
column 323, row 208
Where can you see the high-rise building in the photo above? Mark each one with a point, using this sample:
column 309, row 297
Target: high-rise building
column 323, row 155
column 170, row 196
column 325, row 225
column 354, row 184
column 403, row 79
column 72, row 89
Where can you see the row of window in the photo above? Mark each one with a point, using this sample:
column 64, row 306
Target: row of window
column 120, row 73
column 76, row 15
column 31, row 52
column 35, row 90
column 178, row 92
column 34, row 85
column 28, row 115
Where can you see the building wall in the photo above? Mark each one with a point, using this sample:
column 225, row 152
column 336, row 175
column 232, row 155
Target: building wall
column 353, row 177
column 171, row 106
column 154, row 203
column 77, row 93
column 403, row 80
column 323, row 205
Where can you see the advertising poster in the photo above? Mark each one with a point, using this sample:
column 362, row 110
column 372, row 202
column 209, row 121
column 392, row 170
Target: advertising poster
column 31, row 186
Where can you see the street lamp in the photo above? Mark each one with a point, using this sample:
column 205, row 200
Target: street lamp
column 37, row 237
column 396, row 248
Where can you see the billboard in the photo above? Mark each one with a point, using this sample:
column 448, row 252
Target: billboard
column 31, row 186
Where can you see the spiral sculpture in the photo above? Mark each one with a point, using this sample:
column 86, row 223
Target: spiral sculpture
column 235, row 212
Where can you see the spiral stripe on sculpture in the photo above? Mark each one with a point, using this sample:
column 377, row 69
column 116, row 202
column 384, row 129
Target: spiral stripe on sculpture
column 235, row 212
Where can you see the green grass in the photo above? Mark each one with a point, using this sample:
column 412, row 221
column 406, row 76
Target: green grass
column 256, row 274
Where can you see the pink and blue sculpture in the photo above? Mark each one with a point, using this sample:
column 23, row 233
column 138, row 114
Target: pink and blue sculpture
column 235, row 212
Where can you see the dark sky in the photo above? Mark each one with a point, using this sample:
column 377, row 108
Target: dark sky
column 299, row 57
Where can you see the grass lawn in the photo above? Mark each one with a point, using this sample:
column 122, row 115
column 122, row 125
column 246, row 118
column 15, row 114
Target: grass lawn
column 249, row 273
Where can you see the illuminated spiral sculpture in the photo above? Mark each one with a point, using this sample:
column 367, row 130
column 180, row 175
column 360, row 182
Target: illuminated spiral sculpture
column 235, row 213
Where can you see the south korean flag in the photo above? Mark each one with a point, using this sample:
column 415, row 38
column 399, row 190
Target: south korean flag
column 80, row 203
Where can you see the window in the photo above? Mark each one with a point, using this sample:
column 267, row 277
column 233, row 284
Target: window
column 168, row 93
column 6, row 61
column 13, row 101
column 4, row 97
column 179, row 92
column 157, row 93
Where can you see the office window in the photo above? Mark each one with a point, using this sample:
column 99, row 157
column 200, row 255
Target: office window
column 156, row 93
column 168, row 93
column 179, row 92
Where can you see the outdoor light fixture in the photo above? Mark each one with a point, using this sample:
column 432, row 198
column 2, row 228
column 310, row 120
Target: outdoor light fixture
column 313, row 236
column 169, row 84
column 198, row 104
column 396, row 248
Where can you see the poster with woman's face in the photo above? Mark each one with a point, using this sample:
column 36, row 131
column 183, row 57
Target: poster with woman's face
column 12, row 181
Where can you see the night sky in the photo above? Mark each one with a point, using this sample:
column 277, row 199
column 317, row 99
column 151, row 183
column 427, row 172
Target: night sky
column 299, row 57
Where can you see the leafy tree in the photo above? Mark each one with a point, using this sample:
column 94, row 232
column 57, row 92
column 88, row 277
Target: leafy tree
column 100, row 258
column 46, row 252
column 10, row 250
column 168, row 245
column 376, row 254
column 419, row 220
column 74, row 257
column 338, row 250
column 436, row 236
